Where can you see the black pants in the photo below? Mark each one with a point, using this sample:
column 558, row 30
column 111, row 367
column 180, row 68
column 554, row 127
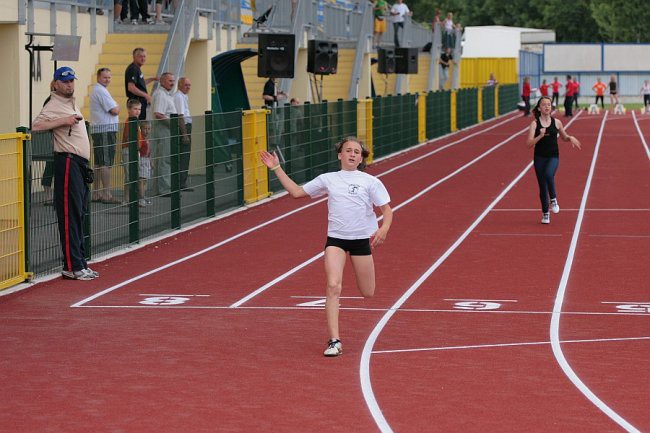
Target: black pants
column 526, row 100
column 396, row 27
column 71, row 203
column 186, row 150
column 575, row 100
column 139, row 7
column 556, row 99
column 646, row 100
column 545, row 168
column 602, row 101
column 568, row 105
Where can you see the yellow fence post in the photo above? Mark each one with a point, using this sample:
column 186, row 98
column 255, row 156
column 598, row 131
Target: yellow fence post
column 452, row 108
column 256, row 175
column 422, row 117
column 479, row 114
column 364, row 125
column 12, row 210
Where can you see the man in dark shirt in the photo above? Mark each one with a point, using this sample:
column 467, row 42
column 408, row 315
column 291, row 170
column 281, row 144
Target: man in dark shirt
column 446, row 59
column 134, row 82
column 269, row 95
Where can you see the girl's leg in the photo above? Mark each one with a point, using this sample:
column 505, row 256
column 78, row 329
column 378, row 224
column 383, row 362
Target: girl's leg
column 540, row 170
column 364, row 270
column 549, row 175
column 334, row 265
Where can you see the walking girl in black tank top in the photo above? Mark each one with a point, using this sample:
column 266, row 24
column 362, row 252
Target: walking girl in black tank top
column 542, row 134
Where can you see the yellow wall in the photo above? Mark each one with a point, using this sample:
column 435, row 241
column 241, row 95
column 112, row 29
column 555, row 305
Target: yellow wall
column 384, row 83
column 476, row 71
column 420, row 82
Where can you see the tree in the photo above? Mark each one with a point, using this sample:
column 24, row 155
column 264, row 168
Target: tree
column 622, row 20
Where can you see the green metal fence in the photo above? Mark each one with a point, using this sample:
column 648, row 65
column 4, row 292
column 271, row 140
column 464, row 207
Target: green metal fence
column 488, row 102
column 466, row 107
column 395, row 123
column 508, row 97
column 438, row 114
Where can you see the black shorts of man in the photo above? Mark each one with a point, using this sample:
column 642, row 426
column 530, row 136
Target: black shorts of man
column 72, row 173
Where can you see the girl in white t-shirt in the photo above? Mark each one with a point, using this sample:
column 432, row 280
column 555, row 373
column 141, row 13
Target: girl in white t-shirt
column 352, row 223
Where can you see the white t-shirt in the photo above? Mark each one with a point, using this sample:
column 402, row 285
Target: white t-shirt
column 401, row 10
column 181, row 101
column 163, row 103
column 351, row 196
column 101, row 102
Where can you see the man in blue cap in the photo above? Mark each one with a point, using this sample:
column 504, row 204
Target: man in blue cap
column 71, row 171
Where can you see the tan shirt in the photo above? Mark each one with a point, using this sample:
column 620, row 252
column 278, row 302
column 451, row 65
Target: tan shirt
column 69, row 139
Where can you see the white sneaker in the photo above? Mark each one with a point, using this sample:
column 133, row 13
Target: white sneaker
column 555, row 208
column 83, row 275
column 546, row 218
column 134, row 22
column 334, row 348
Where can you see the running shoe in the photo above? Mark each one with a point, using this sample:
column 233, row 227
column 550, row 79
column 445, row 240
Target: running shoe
column 554, row 206
column 546, row 218
column 83, row 275
column 334, row 348
column 93, row 273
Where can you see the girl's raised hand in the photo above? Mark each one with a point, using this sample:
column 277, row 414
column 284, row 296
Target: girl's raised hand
column 575, row 142
column 269, row 159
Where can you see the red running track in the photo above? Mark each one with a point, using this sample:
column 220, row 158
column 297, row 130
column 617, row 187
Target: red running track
column 221, row 328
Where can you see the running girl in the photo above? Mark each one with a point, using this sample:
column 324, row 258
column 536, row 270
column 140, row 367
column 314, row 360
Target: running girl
column 352, row 224
column 543, row 134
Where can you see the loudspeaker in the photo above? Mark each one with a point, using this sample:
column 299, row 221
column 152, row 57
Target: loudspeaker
column 406, row 60
column 276, row 55
column 322, row 57
column 386, row 61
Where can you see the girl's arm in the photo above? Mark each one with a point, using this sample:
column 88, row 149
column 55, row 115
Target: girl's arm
column 566, row 137
column 532, row 140
column 272, row 161
column 380, row 235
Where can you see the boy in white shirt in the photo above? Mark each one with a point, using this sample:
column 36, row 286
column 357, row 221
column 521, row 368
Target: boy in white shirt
column 399, row 12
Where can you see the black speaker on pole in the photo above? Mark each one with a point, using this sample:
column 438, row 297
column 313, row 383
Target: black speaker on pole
column 386, row 61
column 322, row 57
column 276, row 55
column 406, row 60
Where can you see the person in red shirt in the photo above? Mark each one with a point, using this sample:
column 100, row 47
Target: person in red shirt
column 525, row 95
column 576, row 92
column 555, row 101
column 599, row 88
column 568, row 96
column 543, row 89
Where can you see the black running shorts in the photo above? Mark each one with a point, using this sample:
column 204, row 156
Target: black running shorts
column 356, row 247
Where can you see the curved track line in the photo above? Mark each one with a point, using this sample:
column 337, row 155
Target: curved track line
column 278, row 218
column 395, row 209
column 559, row 299
column 364, row 367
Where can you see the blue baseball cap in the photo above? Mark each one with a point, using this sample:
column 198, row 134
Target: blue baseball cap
column 64, row 73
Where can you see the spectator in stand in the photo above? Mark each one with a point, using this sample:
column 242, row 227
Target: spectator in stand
column 599, row 88
column 134, row 82
column 104, row 112
column 436, row 20
column 182, row 103
column 555, row 100
column 448, row 31
column 271, row 98
column 543, row 89
column 446, row 59
column 613, row 92
column 525, row 95
column 576, row 87
column 492, row 81
column 133, row 108
column 379, row 9
column 117, row 11
column 163, row 107
column 399, row 12
column 139, row 8
column 145, row 168
column 568, row 97
column 645, row 91
column 158, row 19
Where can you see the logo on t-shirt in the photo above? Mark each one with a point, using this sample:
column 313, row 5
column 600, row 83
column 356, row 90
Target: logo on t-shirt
column 353, row 188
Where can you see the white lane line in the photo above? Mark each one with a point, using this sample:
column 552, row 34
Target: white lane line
column 364, row 367
column 621, row 236
column 559, row 299
column 365, row 309
column 638, row 129
column 552, row 235
column 480, row 300
column 484, row 346
column 575, row 210
column 271, row 221
column 395, row 209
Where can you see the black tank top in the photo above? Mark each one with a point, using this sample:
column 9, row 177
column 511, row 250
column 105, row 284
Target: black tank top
column 547, row 146
column 612, row 86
